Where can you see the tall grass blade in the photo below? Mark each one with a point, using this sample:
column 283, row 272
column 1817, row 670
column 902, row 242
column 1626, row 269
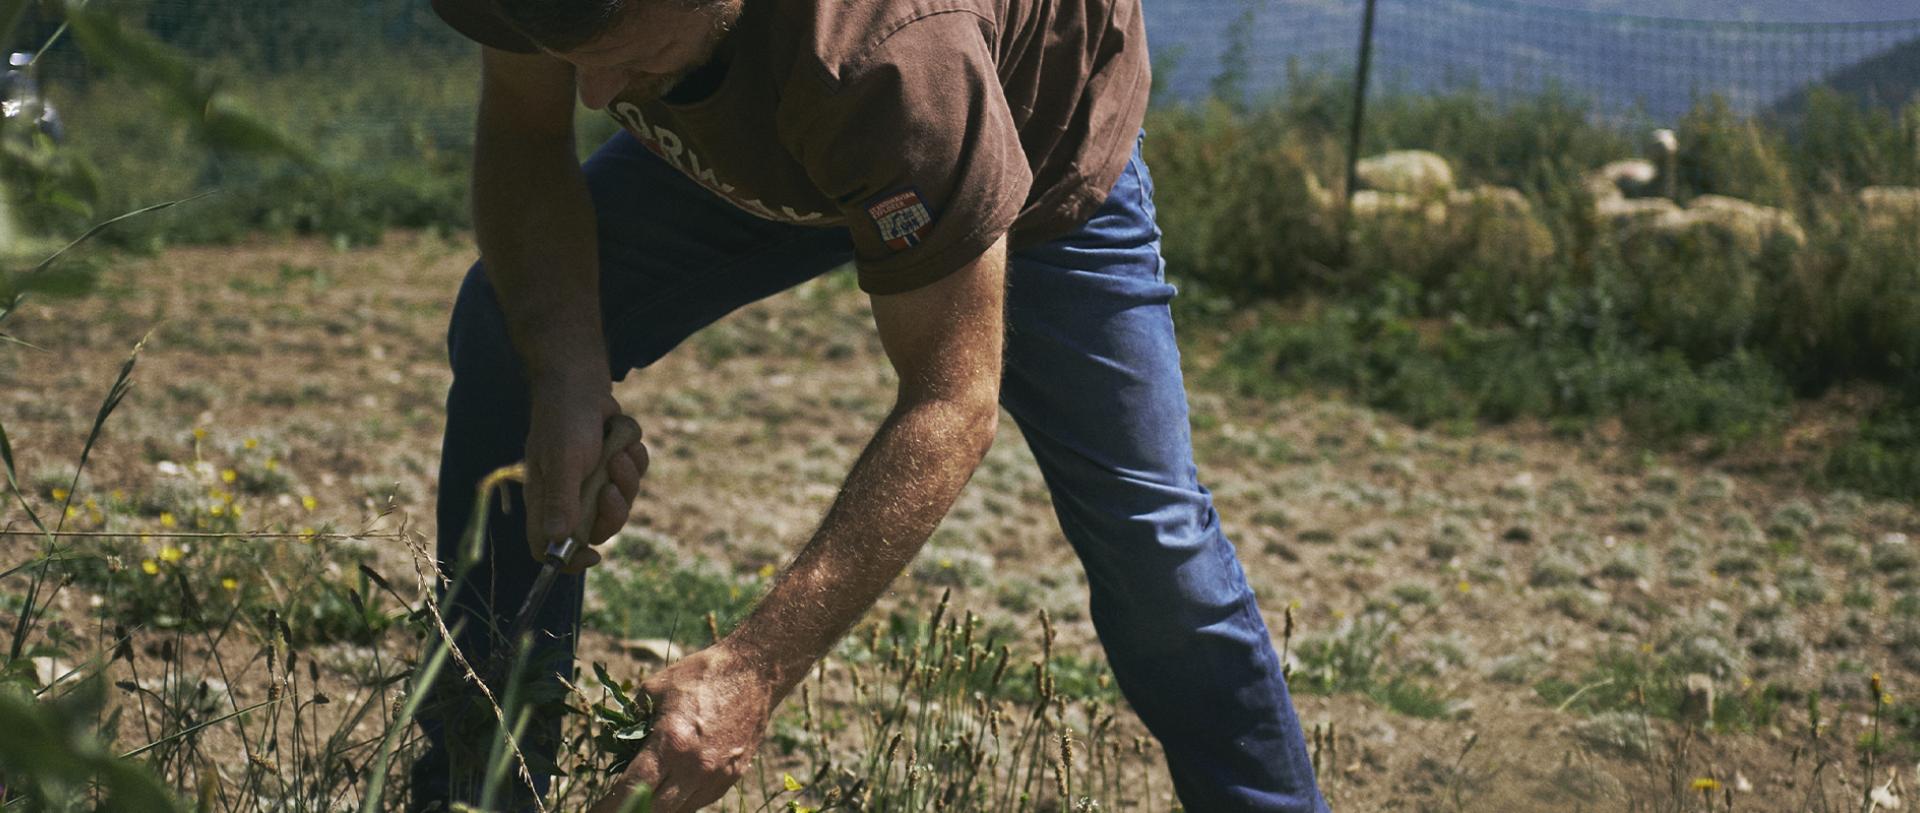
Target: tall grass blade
column 423, row 682
column 121, row 384
column 195, row 727
column 95, row 228
column 41, row 278
column 502, row 758
column 7, row 308
column 22, row 623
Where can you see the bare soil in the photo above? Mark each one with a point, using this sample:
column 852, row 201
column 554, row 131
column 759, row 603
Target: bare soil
column 1505, row 557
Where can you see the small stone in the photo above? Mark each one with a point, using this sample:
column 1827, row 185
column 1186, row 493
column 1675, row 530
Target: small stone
column 1697, row 706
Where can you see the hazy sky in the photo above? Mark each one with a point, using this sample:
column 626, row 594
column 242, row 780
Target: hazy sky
column 1759, row 10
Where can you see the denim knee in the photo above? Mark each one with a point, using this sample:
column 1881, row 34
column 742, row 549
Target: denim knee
column 477, row 339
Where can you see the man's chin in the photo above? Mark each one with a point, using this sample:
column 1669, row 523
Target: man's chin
column 653, row 91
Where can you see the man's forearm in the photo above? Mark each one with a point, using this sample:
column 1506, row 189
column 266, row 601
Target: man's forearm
column 534, row 221
column 902, row 486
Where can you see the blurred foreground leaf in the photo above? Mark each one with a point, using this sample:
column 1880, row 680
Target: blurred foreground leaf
column 182, row 87
column 51, row 745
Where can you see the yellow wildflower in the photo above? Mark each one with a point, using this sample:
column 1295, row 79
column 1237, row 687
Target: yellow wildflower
column 229, row 475
column 1706, row 784
column 199, row 433
column 149, row 567
column 230, row 583
column 217, row 510
column 308, row 502
column 273, row 464
column 787, row 781
column 60, row 494
column 1464, row 587
column 172, row 554
column 307, row 534
column 251, row 443
column 167, row 520
column 766, row 571
column 117, row 494
column 236, row 511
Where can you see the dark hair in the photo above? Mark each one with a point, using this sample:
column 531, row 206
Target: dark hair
column 561, row 25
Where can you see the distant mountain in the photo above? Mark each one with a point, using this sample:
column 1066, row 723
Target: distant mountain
column 1891, row 79
column 1653, row 56
column 1771, row 11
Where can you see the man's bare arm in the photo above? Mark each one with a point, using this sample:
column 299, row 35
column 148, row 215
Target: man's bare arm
column 532, row 216
column 945, row 341
column 534, row 221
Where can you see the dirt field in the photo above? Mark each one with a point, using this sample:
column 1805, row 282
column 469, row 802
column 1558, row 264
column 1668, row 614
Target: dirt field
column 1472, row 615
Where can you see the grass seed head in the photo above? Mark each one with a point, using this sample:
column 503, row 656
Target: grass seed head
column 939, row 611
column 893, row 747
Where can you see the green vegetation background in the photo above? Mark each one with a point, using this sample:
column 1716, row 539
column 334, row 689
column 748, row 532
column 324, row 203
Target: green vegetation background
column 1696, row 339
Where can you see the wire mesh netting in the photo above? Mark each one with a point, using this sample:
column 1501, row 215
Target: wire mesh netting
column 322, row 69
column 1618, row 62
column 385, row 91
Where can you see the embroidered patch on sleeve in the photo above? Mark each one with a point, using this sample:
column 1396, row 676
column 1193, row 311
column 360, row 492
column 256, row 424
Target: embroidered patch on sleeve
column 903, row 218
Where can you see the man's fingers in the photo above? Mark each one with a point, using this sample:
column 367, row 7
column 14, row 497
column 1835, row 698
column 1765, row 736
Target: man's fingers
column 643, row 770
column 623, row 472
column 544, row 510
column 649, row 771
column 553, row 495
column 610, row 515
column 713, row 792
column 582, row 559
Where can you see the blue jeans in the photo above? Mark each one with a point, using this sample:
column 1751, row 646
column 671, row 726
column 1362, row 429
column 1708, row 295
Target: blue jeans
column 1092, row 378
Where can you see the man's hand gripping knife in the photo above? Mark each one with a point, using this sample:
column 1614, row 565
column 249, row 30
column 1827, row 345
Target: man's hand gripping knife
column 713, row 707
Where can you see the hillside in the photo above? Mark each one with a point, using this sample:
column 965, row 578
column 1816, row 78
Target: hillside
column 1621, row 55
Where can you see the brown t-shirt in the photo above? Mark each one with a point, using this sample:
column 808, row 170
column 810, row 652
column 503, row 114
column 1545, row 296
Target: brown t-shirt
column 928, row 128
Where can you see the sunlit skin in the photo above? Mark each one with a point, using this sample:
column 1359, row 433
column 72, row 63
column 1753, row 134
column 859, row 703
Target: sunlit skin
column 651, row 46
column 713, row 708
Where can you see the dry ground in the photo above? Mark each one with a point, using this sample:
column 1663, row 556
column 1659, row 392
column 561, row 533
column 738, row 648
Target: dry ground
column 1496, row 560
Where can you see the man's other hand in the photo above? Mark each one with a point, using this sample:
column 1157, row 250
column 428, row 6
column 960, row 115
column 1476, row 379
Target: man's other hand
column 712, row 709
column 563, row 443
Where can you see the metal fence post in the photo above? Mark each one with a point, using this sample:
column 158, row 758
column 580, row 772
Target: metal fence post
column 1359, row 104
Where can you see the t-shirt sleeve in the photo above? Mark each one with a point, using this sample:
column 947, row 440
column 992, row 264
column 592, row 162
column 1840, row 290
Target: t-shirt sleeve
column 918, row 147
column 475, row 21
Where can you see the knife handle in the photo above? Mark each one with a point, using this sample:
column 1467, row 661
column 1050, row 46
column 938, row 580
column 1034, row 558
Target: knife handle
column 622, row 431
